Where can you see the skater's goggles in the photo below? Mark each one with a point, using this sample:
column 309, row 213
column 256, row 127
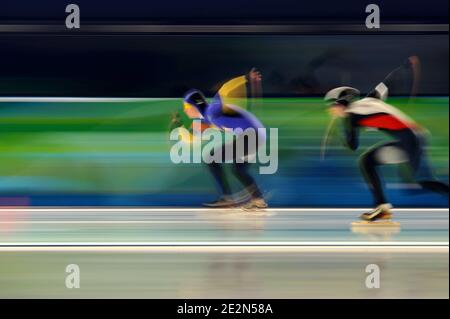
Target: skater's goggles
column 332, row 103
column 188, row 106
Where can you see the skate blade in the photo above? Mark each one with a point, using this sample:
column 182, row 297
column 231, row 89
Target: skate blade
column 257, row 211
column 377, row 223
column 212, row 206
column 381, row 230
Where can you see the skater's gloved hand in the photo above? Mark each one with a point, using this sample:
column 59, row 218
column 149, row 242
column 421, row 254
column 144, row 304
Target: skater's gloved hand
column 337, row 111
column 412, row 61
column 254, row 75
column 175, row 121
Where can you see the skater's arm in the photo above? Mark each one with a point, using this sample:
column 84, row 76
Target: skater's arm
column 235, row 91
column 232, row 92
column 175, row 121
column 382, row 90
column 234, row 88
column 187, row 135
column 350, row 129
column 351, row 133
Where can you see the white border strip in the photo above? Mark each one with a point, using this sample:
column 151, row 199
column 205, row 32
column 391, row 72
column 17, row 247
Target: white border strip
column 233, row 249
column 229, row 244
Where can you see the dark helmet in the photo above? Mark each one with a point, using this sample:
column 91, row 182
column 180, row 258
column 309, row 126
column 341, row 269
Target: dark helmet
column 196, row 99
column 343, row 95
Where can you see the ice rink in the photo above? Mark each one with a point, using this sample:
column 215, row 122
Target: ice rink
column 198, row 253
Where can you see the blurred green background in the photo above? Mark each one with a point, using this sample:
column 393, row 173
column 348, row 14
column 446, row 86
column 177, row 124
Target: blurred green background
column 117, row 153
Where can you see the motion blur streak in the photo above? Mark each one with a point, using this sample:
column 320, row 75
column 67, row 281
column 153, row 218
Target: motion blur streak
column 115, row 152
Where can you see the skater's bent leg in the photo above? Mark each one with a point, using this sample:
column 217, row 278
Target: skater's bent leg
column 240, row 170
column 368, row 165
column 423, row 172
column 435, row 186
column 216, row 167
column 219, row 175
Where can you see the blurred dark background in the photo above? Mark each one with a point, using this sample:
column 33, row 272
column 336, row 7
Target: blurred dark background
column 231, row 11
column 66, row 63
column 167, row 66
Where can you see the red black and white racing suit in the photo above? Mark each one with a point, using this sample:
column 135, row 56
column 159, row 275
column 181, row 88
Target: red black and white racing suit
column 408, row 144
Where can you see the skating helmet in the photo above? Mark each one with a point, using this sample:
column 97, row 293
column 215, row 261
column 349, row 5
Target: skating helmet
column 195, row 98
column 342, row 95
